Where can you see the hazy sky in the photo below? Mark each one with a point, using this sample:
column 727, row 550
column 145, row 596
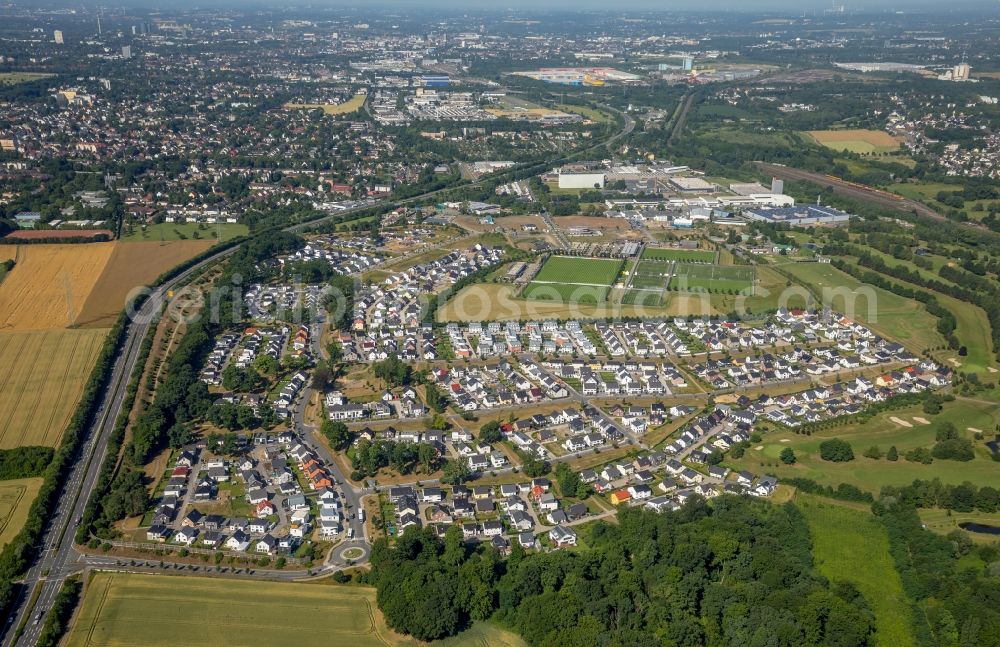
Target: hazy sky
column 472, row 6
column 791, row 6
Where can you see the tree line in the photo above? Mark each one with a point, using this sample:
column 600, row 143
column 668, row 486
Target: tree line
column 738, row 572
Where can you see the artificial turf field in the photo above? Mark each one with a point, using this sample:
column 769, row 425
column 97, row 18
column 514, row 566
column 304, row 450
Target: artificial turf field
column 686, row 255
column 712, row 278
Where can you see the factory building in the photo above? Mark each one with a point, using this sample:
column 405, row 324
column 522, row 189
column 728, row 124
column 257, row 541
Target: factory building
column 581, row 180
column 799, row 216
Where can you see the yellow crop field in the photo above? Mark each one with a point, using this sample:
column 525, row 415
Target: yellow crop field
column 857, row 141
column 351, row 105
column 15, row 499
column 49, row 285
column 132, row 265
column 42, row 374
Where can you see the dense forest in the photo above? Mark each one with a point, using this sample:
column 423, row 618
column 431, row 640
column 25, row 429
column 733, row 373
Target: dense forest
column 738, row 572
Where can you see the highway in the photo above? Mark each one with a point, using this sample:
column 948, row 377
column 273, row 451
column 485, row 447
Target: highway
column 57, row 557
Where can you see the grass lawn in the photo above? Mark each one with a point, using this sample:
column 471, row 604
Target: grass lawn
column 579, row 271
column 870, row 474
column 851, row 545
column 186, row 231
column 903, row 320
column 13, row 78
column 687, row 255
column 593, row 114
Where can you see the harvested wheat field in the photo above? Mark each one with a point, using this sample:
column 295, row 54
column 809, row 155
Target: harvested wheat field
column 42, row 375
column 857, row 141
column 50, row 284
column 132, row 265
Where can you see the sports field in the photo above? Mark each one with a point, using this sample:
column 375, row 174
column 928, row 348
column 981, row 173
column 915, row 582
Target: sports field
column 351, row 105
column 652, row 274
column 712, row 278
column 865, row 142
column 579, row 271
column 49, row 285
column 121, row 609
column 844, row 537
column 686, row 255
column 15, row 499
column 566, row 293
column 42, row 374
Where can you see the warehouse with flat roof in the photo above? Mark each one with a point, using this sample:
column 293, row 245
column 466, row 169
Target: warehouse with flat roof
column 809, row 214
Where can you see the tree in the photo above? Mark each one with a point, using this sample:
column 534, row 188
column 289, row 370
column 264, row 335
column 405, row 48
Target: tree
column 892, row 454
column 787, row 456
column 873, row 452
column 455, row 472
column 336, row 433
column 836, row 451
column 533, row 466
column 569, row 482
column 393, row 370
column 490, row 432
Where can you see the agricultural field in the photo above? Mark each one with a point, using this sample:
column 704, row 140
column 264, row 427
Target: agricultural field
column 131, row 609
column 865, row 142
column 132, row 265
column 15, row 499
column 170, row 231
column 842, row 538
column 684, row 255
column 42, row 375
column 903, row 428
column 900, row 319
column 712, row 278
column 50, row 284
column 572, row 270
column 351, row 105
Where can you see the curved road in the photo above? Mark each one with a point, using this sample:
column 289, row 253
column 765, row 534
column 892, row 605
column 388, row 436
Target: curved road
column 58, row 557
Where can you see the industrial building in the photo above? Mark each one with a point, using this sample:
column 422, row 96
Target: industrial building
column 798, row 216
column 581, row 180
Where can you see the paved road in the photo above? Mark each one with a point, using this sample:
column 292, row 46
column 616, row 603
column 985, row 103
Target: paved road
column 58, row 557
